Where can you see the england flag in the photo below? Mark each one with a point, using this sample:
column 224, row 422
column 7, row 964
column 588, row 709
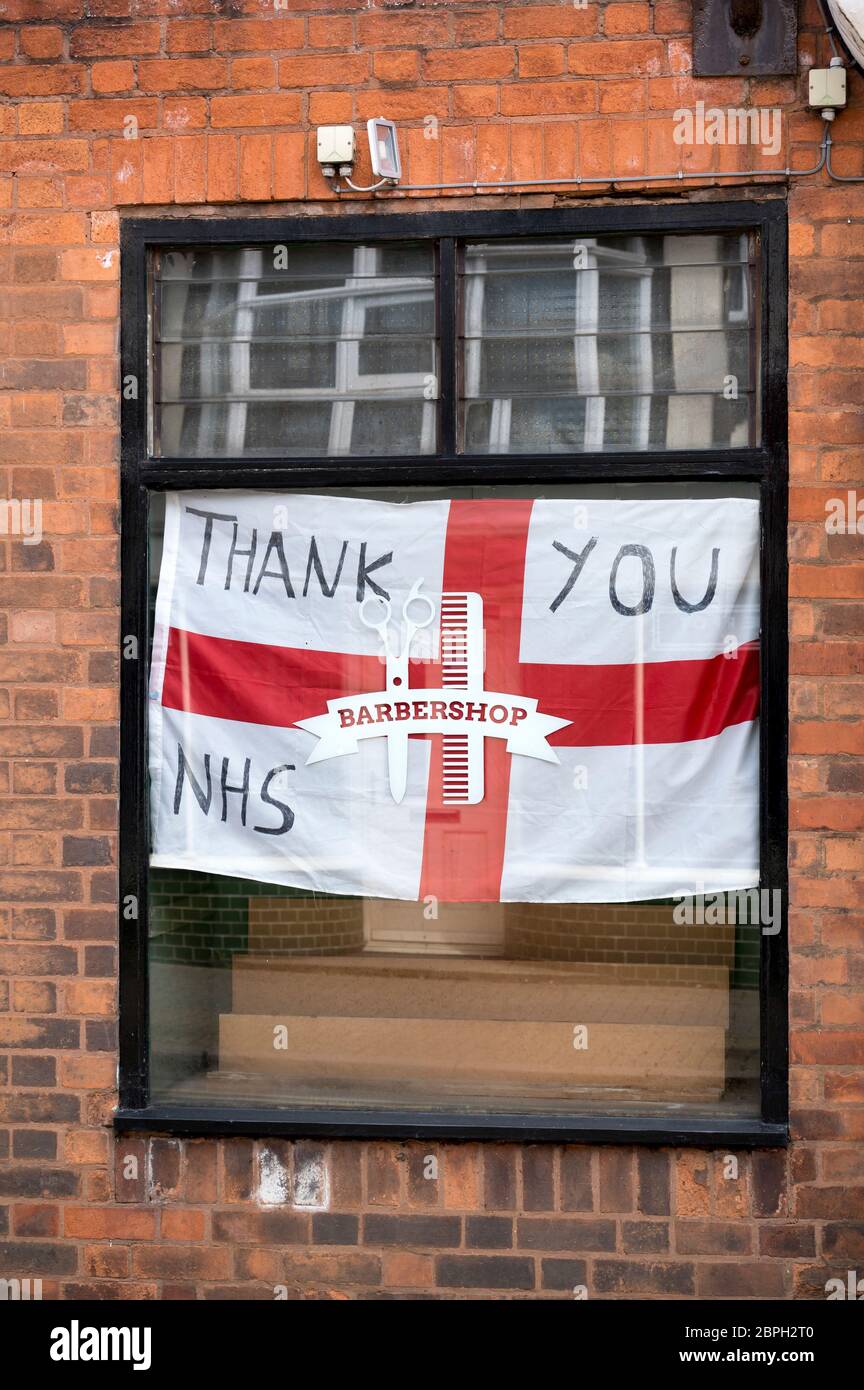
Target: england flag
column 472, row 700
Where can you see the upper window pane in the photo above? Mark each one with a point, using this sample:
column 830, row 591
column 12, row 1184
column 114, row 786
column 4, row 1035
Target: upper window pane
column 608, row 343
column 297, row 349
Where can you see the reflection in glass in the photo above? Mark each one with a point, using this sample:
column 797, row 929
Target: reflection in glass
column 608, row 343
column 295, row 350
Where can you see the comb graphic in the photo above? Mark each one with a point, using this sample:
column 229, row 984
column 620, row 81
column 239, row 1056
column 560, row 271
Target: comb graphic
column 462, row 671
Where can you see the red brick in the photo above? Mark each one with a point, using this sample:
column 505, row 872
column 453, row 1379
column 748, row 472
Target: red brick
column 39, row 193
column 233, row 111
column 35, row 1219
column 646, row 57
column 526, row 151
column 89, row 264
column 181, row 1261
column 627, row 19
column 190, row 36
column 405, row 105
column 97, row 41
column 37, row 156
column 540, row 21
column 183, row 1225
column 672, row 16
column 89, row 338
column 827, row 581
column 43, row 42
column 473, row 63
column 622, row 96
column 248, row 73
column 541, row 60
column 157, row 171
column 828, row 813
column 547, row 99
column 43, row 80
column 200, row 1179
column 481, row 26
column 112, row 77
column 403, row 65
column 289, row 168
column 182, row 74
column 470, row 100
column 261, row 35
column 106, row 1261
column 256, row 158
column 459, row 1172
column 402, row 30
column 40, row 118
column 184, row 113
column 190, row 182
column 737, row 1279
column 836, row 1048
column 222, row 168
column 327, row 32
column 844, row 1011
column 406, row 1270
column 330, row 108
column 108, row 1223
column 114, row 115
column 332, row 70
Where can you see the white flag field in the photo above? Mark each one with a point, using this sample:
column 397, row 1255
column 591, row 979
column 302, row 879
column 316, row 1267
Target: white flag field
column 478, row 700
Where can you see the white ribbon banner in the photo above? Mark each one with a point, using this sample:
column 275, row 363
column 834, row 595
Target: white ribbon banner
column 485, row 713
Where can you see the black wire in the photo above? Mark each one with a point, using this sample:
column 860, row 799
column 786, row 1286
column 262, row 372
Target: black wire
column 835, row 37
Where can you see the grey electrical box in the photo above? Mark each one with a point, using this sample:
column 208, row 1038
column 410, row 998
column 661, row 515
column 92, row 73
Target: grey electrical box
column 745, row 38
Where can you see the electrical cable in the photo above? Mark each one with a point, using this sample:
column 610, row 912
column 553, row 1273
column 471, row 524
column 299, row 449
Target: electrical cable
column 370, row 188
column 830, row 30
column 826, row 8
column 838, row 178
column 610, row 179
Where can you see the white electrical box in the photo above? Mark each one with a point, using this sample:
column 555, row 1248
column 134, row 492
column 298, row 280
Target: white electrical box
column 827, row 90
column 336, row 144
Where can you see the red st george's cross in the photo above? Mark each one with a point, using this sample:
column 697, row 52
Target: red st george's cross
column 606, row 705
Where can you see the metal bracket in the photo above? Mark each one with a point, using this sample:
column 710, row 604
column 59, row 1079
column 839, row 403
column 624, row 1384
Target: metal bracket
column 749, row 38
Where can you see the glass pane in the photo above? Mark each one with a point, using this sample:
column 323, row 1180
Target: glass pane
column 295, row 350
column 608, row 343
column 455, row 799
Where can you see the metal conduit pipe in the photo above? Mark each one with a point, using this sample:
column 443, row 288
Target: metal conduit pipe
column 492, row 186
column 838, row 178
column 476, row 185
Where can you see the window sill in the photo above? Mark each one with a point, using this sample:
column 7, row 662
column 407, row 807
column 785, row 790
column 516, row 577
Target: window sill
column 366, row 1124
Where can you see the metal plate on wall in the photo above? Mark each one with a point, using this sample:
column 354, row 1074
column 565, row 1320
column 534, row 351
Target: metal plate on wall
column 745, row 37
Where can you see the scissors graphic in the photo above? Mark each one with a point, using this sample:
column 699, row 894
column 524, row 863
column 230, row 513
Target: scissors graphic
column 377, row 617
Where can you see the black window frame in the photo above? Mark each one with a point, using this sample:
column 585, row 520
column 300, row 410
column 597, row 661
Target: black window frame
column 765, row 464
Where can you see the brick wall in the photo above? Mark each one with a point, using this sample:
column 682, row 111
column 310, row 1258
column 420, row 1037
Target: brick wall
column 225, row 97
column 194, row 920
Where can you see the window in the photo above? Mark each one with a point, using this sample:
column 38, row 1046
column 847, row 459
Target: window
column 608, row 343
column 455, row 545
column 323, row 350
